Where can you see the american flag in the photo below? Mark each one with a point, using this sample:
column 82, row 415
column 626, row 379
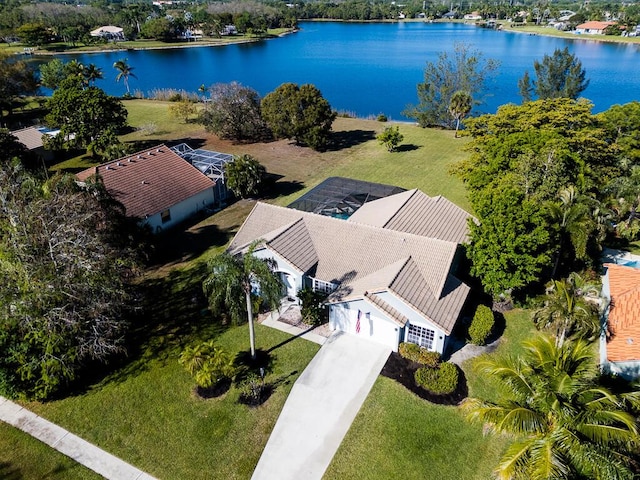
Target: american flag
column 358, row 322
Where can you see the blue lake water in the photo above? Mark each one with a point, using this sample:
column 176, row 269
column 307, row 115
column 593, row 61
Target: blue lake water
column 371, row 68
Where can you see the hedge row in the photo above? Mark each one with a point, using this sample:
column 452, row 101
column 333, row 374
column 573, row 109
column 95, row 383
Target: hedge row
column 481, row 325
column 418, row 354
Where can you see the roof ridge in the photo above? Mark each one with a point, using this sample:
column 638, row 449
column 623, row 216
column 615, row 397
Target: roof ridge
column 341, row 221
column 412, row 192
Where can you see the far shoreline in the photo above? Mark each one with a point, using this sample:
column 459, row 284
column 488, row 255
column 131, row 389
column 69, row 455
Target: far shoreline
column 523, row 30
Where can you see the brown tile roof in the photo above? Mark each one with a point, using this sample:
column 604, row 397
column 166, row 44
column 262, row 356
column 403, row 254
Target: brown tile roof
column 150, row 181
column 415, row 212
column 361, row 258
column 595, row 25
column 624, row 313
column 30, row 137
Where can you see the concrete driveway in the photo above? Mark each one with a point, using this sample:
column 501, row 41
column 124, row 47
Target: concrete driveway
column 320, row 408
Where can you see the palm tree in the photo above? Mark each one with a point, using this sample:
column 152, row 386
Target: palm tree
column 572, row 215
column 235, row 279
column 567, row 425
column 92, row 73
column 459, row 107
column 124, row 72
column 566, row 310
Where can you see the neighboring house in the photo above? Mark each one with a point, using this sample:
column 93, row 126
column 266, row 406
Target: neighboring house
column 620, row 345
column 593, row 28
column 31, row 137
column 450, row 15
column 108, row 32
column 473, row 16
column 389, row 270
column 155, row 185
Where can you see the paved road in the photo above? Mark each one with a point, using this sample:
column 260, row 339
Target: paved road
column 71, row 445
column 320, row 409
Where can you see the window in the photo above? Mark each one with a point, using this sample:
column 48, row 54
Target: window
column 324, row 287
column 165, row 216
column 421, row 336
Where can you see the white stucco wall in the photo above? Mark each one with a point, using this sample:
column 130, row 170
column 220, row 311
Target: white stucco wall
column 283, row 267
column 374, row 324
column 181, row 211
column 416, row 319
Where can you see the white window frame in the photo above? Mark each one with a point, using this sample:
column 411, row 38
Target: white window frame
column 323, row 287
column 423, row 336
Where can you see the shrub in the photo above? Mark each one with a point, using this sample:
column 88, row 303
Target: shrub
column 382, row 117
column 418, row 354
column 481, row 325
column 253, row 390
column 441, row 380
column 312, row 309
column 207, row 363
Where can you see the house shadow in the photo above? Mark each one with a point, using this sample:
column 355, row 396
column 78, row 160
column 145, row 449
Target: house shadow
column 187, row 241
column 351, row 138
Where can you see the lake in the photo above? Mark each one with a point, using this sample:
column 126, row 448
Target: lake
column 372, row 68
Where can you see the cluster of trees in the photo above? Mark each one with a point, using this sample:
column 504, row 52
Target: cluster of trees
column 46, row 22
column 299, row 112
column 549, row 181
column 68, row 261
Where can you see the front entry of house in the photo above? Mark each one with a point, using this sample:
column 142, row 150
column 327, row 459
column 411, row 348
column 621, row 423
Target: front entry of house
column 288, row 285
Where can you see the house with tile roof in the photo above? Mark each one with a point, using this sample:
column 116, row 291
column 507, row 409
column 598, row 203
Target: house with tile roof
column 32, row 138
column 620, row 343
column 593, row 27
column 156, row 186
column 388, row 278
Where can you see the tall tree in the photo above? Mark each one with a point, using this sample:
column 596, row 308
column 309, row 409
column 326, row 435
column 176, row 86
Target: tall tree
column 566, row 424
column 124, row 72
column 462, row 70
column 459, row 107
column 17, row 78
column 557, row 76
column 92, row 73
column 301, row 113
column 84, row 115
column 233, row 281
column 233, row 112
column 65, row 294
column 244, row 175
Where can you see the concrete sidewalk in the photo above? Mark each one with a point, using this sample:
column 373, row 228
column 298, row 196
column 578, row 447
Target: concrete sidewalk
column 320, row 409
column 295, row 331
column 71, row 445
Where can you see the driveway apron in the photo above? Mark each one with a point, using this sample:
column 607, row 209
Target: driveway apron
column 320, row 409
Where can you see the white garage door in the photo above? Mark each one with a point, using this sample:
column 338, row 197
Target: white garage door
column 367, row 325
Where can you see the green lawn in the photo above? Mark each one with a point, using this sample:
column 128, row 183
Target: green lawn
column 397, row 434
column 24, row 457
column 148, row 415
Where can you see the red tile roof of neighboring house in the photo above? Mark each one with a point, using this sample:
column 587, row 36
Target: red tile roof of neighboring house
column 624, row 313
column 150, row 181
column 594, row 25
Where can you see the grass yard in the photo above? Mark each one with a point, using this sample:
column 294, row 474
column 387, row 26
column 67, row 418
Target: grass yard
column 18, row 454
column 397, row 434
column 148, row 416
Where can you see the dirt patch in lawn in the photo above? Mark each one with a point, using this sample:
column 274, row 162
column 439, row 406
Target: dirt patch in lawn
column 402, row 371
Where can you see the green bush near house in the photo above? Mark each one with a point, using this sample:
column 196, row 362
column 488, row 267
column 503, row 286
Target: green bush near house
column 481, row 325
column 312, row 308
column 440, row 380
column 418, row 354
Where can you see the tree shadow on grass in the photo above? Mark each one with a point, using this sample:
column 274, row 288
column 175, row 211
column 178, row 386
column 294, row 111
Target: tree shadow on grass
column 9, row 472
column 275, row 187
column 350, row 138
column 407, row 147
column 173, row 312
